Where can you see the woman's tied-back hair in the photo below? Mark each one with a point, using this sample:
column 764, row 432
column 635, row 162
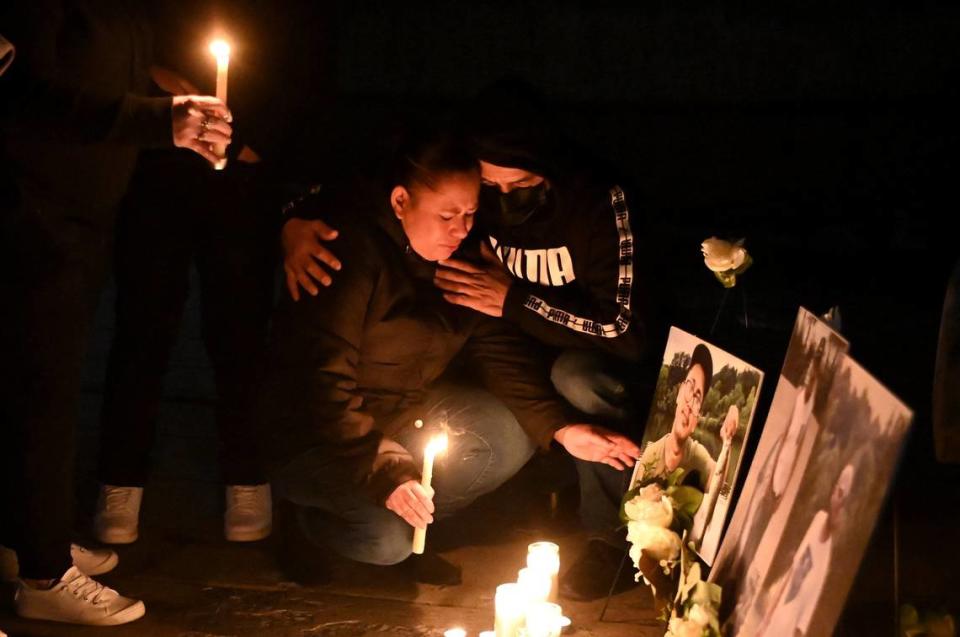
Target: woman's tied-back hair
column 426, row 154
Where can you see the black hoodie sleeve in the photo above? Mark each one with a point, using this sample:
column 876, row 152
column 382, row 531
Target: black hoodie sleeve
column 508, row 364
column 601, row 309
column 39, row 103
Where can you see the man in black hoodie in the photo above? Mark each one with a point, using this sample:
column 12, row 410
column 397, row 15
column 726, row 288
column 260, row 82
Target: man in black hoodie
column 73, row 116
column 562, row 265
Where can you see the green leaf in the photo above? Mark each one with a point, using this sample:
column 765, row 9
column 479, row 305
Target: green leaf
column 676, row 477
column 629, row 495
column 727, row 278
column 686, row 499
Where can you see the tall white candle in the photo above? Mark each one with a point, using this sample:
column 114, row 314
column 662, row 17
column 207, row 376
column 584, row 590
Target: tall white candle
column 221, row 51
column 510, row 607
column 436, row 445
column 535, row 584
column 544, row 557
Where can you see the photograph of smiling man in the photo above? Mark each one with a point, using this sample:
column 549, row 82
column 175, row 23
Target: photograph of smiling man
column 701, row 413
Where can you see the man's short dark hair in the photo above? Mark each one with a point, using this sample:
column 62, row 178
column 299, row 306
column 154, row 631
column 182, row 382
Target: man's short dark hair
column 701, row 356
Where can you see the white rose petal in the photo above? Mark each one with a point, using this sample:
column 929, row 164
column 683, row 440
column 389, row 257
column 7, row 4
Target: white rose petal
column 720, row 255
column 698, row 615
column 651, row 492
column 659, row 543
column 655, row 512
column 679, row 627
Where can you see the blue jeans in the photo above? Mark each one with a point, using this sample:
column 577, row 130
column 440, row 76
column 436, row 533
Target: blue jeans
column 602, row 389
column 487, row 446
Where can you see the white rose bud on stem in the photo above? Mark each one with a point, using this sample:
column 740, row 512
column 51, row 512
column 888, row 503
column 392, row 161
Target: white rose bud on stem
column 721, row 256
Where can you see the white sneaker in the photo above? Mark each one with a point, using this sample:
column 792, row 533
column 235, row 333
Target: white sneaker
column 90, row 561
column 249, row 513
column 77, row 599
column 93, row 562
column 118, row 514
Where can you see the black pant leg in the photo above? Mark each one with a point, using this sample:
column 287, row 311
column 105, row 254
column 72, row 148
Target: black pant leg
column 52, row 263
column 155, row 244
column 237, row 260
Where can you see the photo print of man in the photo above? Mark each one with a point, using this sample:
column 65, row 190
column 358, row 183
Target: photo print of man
column 701, row 413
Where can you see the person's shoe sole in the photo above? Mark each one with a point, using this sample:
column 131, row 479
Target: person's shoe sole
column 117, row 536
column 105, row 566
column 235, row 535
column 127, row 615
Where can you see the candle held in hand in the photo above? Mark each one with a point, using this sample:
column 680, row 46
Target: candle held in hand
column 221, row 51
column 436, row 445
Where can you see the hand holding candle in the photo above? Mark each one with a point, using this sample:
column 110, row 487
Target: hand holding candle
column 436, row 445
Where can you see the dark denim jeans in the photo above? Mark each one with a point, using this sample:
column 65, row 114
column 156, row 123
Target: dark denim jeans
column 604, row 390
column 486, row 448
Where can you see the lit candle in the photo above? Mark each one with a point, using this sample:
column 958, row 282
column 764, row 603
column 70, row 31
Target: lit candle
column 544, row 620
column 455, row 632
column 437, row 444
column 544, row 557
column 221, row 51
column 509, row 607
column 535, row 584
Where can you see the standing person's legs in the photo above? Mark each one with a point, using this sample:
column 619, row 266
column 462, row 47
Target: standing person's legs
column 152, row 264
column 51, row 274
column 486, row 447
column 236, row 259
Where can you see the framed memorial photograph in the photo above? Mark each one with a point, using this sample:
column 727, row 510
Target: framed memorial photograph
column 839, row 498
column 796, row 413
column 703, row 405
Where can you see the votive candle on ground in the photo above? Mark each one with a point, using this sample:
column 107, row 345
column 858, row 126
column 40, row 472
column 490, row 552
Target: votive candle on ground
column 545, row 558
column 544, row 619
column 535, row 584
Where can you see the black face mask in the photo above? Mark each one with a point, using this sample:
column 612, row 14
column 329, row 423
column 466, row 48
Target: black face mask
column 516, row 206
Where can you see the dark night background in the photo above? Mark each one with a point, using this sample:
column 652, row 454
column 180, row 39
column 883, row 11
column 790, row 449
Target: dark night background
column 824, row 133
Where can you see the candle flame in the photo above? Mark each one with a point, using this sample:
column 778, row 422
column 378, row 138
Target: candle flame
column 220, row 49
column 455, row 632
column 437, row 444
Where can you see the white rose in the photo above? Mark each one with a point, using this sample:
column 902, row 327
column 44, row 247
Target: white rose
column 658, row 543
column 720, row 255
column 679, row 627
column 657, row 512
column 698, row 615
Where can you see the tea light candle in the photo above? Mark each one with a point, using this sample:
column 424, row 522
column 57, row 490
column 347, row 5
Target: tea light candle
column 545, row 558
column 509, row 607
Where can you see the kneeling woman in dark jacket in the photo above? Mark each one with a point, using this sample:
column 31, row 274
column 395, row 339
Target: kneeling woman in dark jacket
column 356, row 365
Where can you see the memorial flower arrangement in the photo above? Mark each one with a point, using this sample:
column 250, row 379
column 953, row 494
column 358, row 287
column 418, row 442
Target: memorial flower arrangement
column 726, row 260
column 658, row 513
